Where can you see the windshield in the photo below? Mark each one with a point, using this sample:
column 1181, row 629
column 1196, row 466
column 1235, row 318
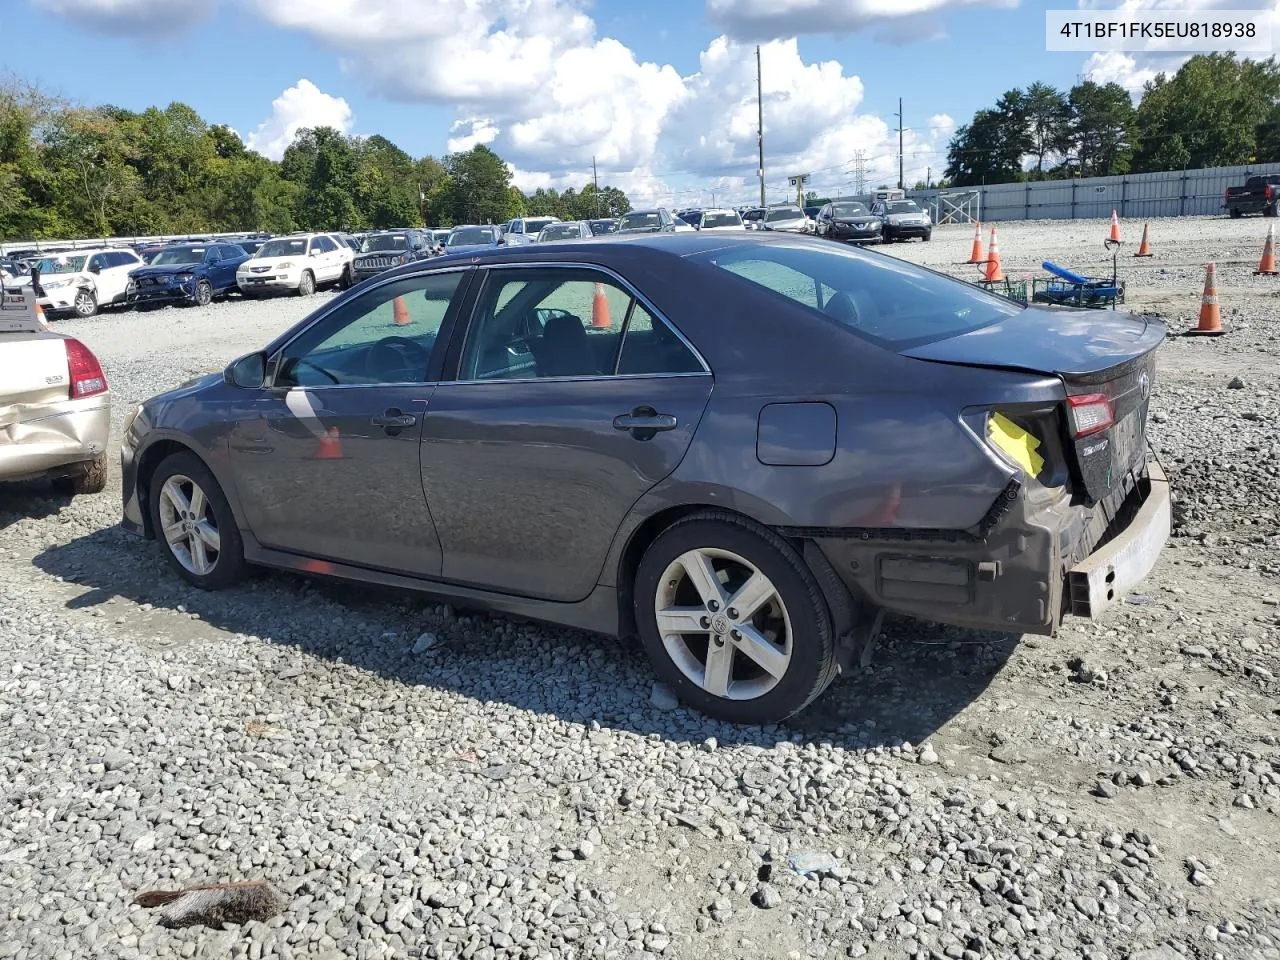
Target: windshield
column 62, row 265
column 721, row 220
column 386, row 241
column 648, row 220
column 849, row 209
column 469, row 235
column 599, row 227
column 178, row 255
column 783, row 213
column 901, row 206
column 283, row 248
column 534, row 226
column 560, row 231
column 887, row 301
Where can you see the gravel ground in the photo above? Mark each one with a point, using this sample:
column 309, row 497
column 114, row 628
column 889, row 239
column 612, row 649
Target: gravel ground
column 512, row 790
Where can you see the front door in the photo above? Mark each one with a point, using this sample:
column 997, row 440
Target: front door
column 571, row 400
column 326, row 456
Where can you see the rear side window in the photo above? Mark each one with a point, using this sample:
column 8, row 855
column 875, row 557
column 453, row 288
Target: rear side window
column 889, row 302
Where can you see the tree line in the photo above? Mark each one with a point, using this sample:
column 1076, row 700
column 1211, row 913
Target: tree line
column 1216, row 110
column 69, row 171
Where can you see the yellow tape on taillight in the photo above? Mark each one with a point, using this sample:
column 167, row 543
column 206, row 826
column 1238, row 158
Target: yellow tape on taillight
column 1020, row 445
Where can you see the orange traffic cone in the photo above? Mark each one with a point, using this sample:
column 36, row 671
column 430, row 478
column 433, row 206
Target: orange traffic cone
column 993, row 273
column 1267, row 266
column 330, row 446
column 1144, row 248
column 600, row 318
column 1210, row 312
column 976, row 255
column 1115, row 228
column 401, row 312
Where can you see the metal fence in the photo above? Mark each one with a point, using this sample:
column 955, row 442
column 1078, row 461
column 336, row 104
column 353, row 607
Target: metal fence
column 95, row 242
column 1184, row 193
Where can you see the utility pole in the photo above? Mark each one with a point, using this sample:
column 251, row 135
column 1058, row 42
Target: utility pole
column 760, row 122
column 901, row 157
column 928, row 177
column 596, row 180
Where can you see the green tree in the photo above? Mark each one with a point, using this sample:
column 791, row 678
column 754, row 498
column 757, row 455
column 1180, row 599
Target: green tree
column 478, row 189
column 1102, row 118
column 324, row 164
column 1207, row 114
column 991, row 147
column 1048, row 122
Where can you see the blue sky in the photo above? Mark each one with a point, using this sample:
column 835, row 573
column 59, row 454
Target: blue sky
column 643, row 84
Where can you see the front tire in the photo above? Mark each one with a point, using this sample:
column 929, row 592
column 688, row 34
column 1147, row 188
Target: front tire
column 86, row 304
column 345, row 282
column 204, row 294
column 194, row 524
column 928, row 235
column 733, row 620
column 307, row 285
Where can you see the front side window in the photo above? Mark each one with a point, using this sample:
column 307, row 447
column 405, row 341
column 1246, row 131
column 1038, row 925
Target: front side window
column 323, row 245
column 388, row 335
column 566, row 322
column 887, row 301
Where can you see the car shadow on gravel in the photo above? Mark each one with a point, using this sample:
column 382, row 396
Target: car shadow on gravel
column 922, row 674
column 29, row 500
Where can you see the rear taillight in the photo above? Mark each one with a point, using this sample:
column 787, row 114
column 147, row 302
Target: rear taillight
column 1267, row 194
column 1090, row 413
column 87, row 378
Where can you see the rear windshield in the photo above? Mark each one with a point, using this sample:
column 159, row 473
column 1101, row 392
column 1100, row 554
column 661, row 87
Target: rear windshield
column 721, row 220
column 560, row 231
column 783, row 213
column 887, row 301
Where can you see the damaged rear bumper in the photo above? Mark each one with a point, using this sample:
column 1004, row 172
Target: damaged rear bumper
column 49, row 439
column 1037, row 557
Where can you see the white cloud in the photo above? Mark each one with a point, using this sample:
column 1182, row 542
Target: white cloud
column 758, row 20
column 1112, row 66
column 467, row 133
column 132, row 18
column 302, row 105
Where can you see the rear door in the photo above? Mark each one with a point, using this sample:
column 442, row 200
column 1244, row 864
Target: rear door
column 571, row 399
column 326, row 457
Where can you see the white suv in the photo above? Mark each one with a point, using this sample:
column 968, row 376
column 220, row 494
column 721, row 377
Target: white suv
column 298, row 263
column 524, row 230
column 82, row 281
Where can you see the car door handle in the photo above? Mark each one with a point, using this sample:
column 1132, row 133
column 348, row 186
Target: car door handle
column 393, row 419
column 644, row 422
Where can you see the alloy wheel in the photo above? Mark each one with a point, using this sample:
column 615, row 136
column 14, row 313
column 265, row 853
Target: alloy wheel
column 723, row 624
column 189, row 526
column 84, row 304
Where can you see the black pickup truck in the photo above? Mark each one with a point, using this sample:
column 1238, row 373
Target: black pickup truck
column 1258, row 195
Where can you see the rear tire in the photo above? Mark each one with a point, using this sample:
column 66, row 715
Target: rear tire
column 773, row 660
column 180, row 517
column 1235, row 213
column 88, row 478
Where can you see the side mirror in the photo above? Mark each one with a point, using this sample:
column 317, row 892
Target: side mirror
column 248, row 372
column 96, row 268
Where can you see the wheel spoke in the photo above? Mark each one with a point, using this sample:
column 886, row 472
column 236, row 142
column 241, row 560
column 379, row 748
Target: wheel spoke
column 715, row 679
column 197, row 502
column 681, row 620
column 173, row 493
column 208, row 533
column 199, row 559
column 697, row 566
column 756, row 646
column 175, row 532
column 751, row 596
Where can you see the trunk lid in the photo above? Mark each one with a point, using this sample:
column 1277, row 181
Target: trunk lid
column 1093, row 353
column 33, row 371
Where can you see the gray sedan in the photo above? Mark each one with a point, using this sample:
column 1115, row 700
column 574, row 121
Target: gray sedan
column 747, row 478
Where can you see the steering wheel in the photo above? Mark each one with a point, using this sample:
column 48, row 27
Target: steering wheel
column 396, row 353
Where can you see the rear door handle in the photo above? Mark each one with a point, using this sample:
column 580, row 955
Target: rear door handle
column 643, row 422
